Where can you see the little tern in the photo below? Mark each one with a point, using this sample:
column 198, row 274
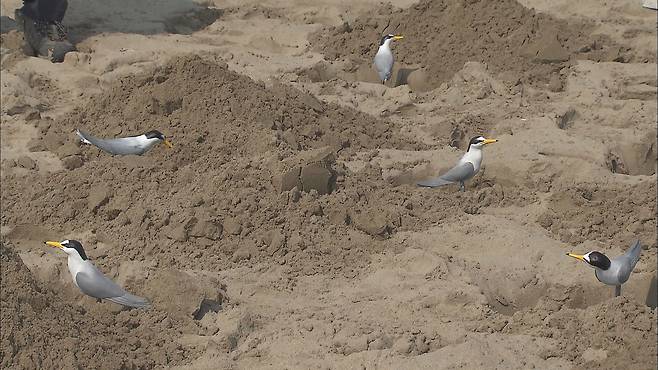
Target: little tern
column 135, row 145
column 467, row 167
column 384, row 58
column 91, row 281
column 612, row 272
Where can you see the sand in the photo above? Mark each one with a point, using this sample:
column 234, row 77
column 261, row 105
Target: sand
column 283, row 230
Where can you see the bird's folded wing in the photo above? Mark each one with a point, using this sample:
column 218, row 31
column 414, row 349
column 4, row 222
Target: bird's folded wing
column 114, row 146
column 456, row 174
column 97, row 285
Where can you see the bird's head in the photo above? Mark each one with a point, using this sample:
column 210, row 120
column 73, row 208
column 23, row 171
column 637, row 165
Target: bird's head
column 593, row 259
column 390, row 37
column 70, row 247
column 157, row 135
column 478, row 142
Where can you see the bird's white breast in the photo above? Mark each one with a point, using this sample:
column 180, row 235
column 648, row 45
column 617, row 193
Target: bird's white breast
column 76, row 265
column 384, row 52
column 474, row 157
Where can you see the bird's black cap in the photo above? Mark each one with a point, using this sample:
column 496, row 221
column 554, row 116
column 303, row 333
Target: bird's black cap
column 599, row 260
column 153, row 134
column 386, row 37
column 474, row 140
column 78, row 247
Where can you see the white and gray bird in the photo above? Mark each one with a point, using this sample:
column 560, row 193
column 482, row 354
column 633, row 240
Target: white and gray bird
column 467, row 167
column 135, row 145
column 91, row 281
column 612, row 272
column 384, row 58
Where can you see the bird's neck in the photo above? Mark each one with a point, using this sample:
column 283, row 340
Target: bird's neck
column 473, row 156
column 385, row 47
column 75, row 264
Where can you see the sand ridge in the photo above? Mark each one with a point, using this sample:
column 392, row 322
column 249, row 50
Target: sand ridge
column 440, row 36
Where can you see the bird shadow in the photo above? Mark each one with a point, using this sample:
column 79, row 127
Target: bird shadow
column 402, row 76
column 652, row 294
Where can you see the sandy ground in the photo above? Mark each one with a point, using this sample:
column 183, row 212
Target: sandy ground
column 271, row 105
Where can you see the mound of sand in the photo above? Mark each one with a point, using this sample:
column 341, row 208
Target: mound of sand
column 242, row 183
column 440, row 36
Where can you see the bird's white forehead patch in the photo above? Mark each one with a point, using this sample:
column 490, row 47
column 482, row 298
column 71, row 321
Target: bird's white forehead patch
column 64, row 242
column 586, row 256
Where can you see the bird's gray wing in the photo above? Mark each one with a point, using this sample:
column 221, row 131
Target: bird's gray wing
column 120, row 146
column 458, row 173
column 627, row 261
column 97, row 285
column 384, row 65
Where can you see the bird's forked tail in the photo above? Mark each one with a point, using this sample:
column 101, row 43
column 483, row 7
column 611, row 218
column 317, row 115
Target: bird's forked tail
column 634, row 252
column 434, row 182
column 131, row 300
column 82, row 136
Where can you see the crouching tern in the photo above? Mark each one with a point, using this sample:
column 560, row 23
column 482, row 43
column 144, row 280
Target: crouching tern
column 135, row 145
column 384, row 58
column 612, row 272
column 467, row 167
column 91, row 281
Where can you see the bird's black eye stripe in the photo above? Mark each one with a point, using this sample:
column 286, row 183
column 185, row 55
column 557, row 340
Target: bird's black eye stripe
column 78, row 247
column 386, row 37
column 476, row 140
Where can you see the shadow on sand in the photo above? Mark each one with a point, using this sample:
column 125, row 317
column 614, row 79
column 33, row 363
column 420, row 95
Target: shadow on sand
column 86, row 18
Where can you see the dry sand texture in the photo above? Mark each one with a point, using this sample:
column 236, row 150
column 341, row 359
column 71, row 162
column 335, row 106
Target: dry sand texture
column 284, row 231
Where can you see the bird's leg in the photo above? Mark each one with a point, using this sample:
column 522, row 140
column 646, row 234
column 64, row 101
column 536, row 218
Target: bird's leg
column 462, row 187
column 617, row 290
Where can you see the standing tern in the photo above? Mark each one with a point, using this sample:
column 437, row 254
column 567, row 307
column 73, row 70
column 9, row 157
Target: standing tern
column 467, row 167
column 384, row 58
column 91, row 281
column 135, row 145
column 612, row 272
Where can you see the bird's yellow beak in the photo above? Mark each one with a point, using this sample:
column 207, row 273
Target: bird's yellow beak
column 398, row 37
column 55, row 244
column 577, row 256
column 490, row 141
column 168, row 144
